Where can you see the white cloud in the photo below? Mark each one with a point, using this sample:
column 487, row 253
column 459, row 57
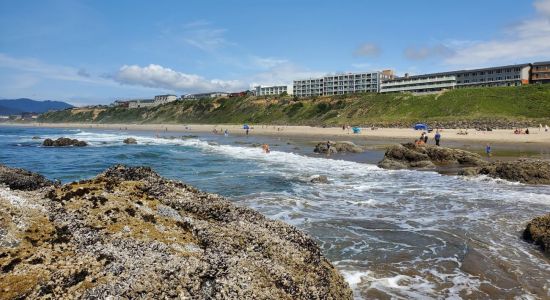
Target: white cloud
column 421, row 53
column 199, row 34
column 362, row 65
column 267, row 62
column 282, row 74
column 529, row 39
column 47, row 71
column 82, row 72
column 543, row 7
column 367, row 49
column 156, row 76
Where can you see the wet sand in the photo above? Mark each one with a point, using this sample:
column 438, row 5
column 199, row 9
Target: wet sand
column 505, row 143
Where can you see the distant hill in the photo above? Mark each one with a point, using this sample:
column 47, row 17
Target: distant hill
column 18, row 106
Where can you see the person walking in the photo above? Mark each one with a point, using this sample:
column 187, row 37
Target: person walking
column 437, row 138
column 328, row 147
column 488, row 150
column 546, row 128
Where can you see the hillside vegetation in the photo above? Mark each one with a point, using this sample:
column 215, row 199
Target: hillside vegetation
column 498, row 106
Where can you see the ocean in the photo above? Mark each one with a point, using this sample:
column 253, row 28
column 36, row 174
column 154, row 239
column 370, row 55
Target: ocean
column 393, row 234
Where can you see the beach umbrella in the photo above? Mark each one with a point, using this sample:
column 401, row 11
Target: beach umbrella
column 245, row 126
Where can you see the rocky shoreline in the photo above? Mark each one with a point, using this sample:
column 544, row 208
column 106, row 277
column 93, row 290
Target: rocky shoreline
column 428, row 157
column 128, row 232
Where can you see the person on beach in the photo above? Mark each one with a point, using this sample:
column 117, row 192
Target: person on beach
column 527, row 131
column 546, row 128
column 328, row 148
column 488, row 150
column 247, row 131
column 437, row 138
column 226, row 132
column 540, row 127
column 265, row 147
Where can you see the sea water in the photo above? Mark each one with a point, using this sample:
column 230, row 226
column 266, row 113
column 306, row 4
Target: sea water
column 393, row 234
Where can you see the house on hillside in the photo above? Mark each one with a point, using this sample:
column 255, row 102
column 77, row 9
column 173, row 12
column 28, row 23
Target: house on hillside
column 141, row 103
column 205, row 95
column 163, row 99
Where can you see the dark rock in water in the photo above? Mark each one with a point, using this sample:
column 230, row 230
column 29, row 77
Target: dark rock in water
column 412, row 156
column 538, row 232
column 186, row 137
column 64, row 142
column 528, row 171
column 130, row 141
column 132, row 234
column 36, row 138
column 19, row 179
column 337, row 147
column 319, row 179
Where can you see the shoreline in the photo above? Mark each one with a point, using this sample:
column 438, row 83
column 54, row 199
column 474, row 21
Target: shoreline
column 499, row 136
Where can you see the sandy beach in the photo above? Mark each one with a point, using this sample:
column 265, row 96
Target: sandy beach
column 535, row 137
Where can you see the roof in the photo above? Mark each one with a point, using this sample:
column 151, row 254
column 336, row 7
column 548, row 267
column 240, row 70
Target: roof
column 541, row 63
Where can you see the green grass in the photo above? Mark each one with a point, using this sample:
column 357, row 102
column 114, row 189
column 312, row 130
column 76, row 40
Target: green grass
column 507, row 104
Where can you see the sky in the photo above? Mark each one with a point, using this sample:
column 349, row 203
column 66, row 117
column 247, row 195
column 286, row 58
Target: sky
column 94, row 52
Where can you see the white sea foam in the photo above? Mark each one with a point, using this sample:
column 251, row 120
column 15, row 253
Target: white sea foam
column 407, row 217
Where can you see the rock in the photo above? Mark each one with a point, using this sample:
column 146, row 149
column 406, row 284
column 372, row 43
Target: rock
column 132, row 234
column 337, row 147
column 64, row 142
column 319, row 179
column 19, row 179
column 529, row 171
column 347, row 147
column 130, row 141
column 411, row 156
column 538, row 232
column 36, row 138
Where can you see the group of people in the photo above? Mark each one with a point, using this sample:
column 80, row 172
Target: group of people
column 520, row 131
column 221, row 131
column 423, row 140
column 545, row 127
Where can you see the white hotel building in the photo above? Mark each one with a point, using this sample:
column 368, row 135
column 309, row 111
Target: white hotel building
column 512, row 75
column 272, row 90
column 340, row 84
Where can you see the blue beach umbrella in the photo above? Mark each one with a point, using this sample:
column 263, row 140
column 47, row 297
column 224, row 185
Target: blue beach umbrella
column 245, row 126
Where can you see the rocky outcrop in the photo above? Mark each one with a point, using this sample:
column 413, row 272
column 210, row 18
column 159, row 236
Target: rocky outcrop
column 64, row 142
column 528, row 171
column 409, row 155
column 130, row 141
column 19, row 179
column 337, row 147
column 538, row 232
column 319, row 179
column 132, row 234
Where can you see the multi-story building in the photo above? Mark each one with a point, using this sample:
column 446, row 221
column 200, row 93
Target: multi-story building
column 512, row 75
column 272, row 90
column 163, row 99
column 419, row 84
column 340, row 84
column 308, row 87
column 540, row 72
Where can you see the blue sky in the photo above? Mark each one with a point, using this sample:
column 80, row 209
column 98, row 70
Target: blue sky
column 88, row 52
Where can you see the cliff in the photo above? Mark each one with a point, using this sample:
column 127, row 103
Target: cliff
column 495, row 107
column 129, row 232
